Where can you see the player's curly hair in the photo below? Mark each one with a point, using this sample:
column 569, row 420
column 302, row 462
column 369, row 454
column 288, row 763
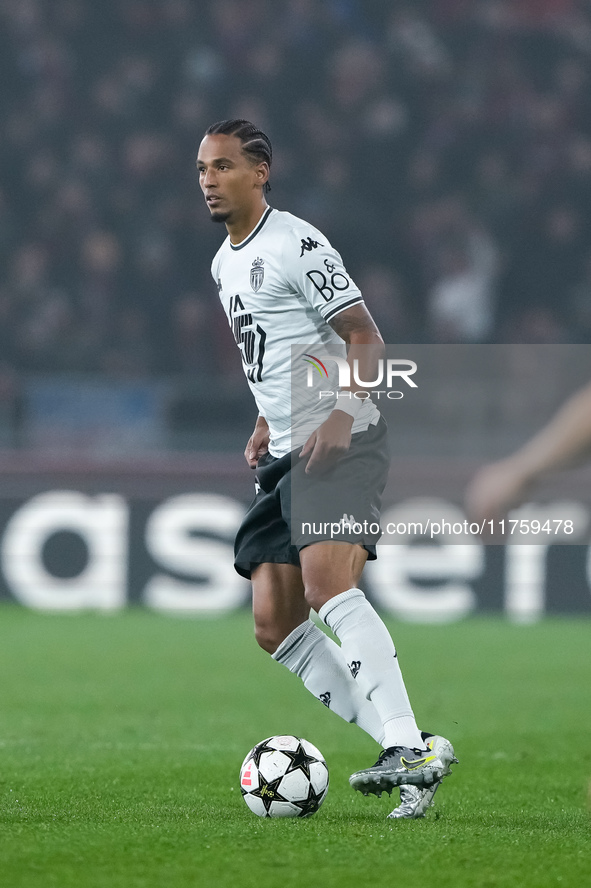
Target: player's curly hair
column 254, row 141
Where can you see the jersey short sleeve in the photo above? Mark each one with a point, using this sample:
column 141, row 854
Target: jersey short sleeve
column 314, row 269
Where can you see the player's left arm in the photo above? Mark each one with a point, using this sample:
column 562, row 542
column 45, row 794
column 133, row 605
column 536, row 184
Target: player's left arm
column 365, row 345
column 332, row 439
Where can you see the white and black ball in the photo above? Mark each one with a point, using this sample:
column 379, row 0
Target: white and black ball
column 284, row 776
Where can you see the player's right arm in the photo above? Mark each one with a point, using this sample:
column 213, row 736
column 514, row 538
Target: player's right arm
column 566, row 440
column 258, row 443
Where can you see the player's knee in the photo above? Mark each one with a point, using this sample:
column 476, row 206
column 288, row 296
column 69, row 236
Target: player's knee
column 320, row 588
column 317, row 592
column 267, row 637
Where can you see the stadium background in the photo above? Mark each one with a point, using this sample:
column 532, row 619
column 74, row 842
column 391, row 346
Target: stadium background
column 445, row 149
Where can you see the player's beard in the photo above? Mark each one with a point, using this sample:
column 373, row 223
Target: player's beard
column 219, row 216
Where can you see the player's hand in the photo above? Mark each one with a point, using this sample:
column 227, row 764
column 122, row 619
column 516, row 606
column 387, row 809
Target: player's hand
column 258, row 443
column 496, row 489
column 328, row 443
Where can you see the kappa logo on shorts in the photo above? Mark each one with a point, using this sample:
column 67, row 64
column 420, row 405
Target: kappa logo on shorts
column 325, row 698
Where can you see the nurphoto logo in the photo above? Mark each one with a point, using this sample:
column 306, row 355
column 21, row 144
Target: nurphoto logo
column 388, row 371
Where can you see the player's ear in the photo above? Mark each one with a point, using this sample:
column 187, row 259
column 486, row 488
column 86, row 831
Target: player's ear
column 262, row 173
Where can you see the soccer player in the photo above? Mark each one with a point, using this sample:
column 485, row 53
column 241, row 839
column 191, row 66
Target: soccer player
column 565, row 440
column 281, row 284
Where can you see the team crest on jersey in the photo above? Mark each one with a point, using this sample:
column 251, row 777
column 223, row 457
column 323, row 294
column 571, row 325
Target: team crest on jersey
column 257, row 274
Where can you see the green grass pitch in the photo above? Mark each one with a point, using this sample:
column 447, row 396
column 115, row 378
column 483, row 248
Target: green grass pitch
column 121, row 738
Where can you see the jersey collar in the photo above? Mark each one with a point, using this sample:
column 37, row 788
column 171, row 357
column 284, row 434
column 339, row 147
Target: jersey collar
column 254, row 232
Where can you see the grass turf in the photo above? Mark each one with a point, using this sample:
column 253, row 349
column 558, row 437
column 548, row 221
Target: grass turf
column 121, row 738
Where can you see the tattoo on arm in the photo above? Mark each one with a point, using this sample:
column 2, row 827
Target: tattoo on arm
column 354, row 320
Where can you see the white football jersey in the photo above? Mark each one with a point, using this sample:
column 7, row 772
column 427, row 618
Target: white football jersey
column 279, row 288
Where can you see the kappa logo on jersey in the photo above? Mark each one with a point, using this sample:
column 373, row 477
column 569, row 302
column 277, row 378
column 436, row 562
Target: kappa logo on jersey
column 325, row 698
column 250, row 339
column 257, row 274
column 219, row 285
column 308, row 245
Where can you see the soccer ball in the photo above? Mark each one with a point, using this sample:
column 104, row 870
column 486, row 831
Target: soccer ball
column 284, row 776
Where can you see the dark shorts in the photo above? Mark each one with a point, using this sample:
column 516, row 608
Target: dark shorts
column 292, row 510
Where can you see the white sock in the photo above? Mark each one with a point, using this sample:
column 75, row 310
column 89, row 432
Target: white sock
column 369, row 651
column 318, row 661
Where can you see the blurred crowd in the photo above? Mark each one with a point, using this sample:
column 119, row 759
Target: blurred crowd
column 443, row 146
